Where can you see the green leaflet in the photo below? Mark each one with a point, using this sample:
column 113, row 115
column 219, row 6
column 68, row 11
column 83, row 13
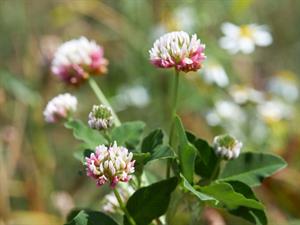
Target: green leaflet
column 90, row 137
column 128, row 134
column 151, row 202
column 89, row 217
column 251, row 168
column 186, row 152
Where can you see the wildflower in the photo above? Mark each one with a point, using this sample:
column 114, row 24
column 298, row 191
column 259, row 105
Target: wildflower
column 76, row 60
column 227, row 147
column 225, row 111
column 244, row 38
column 274, row 111
column 100, row 118
column 215, row 73
column 285, row 85
column 128, row 96
column 178, row 50
column 110, row 164
column 184, row 18
column 60, row 107
column 243, row 94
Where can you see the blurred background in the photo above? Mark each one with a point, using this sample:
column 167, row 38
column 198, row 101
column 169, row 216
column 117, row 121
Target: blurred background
column 252, row 96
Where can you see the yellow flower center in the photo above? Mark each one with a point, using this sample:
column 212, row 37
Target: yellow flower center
column 287, row 76
column 246, row 31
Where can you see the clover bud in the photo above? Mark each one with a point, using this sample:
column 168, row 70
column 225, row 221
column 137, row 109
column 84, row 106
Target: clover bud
column 227, row 147
column 100, row 118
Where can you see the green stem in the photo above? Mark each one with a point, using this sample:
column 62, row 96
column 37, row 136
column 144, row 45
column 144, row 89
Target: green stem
column 215, row 172
column 173, row 115
column 103, row 99
column 123, row 207
column 106, row 136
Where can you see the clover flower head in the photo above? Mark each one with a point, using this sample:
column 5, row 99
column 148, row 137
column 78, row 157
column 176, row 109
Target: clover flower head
column 111, row 164
column 227, row 147
column 60, row 107
column 77, row 59
column 100, row 118
column 244, row 38
column 179, row 50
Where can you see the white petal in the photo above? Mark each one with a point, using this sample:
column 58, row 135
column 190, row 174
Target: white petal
column 246, row 45
column 229, row 44
column 262, row 38
column 230, row 29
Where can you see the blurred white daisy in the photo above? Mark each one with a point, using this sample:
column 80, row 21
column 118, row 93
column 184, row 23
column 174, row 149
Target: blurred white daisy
column 244, row 94
column 136, row 96
column 285, row 85
column 185, row 18
column 214, row 73
column 244, row 38
column 225, row 110
column 274, row 111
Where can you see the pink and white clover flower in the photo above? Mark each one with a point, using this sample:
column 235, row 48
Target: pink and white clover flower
column 179, row 50
column 60, row 107
column 77, row 59
column 111, row 164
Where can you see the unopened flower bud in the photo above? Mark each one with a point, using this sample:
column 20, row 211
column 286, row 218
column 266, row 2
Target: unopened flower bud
column 227, row 147
column 100, row 118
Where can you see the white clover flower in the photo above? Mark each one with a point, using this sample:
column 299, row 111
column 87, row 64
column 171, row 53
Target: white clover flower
column 285, row 85
column 227, row 147
column 100, row 118
column 77, row 59
column 215, row 73
column 243, row 94
column 127, row 96
column 274, row 111
column 60, row 107
column 244, row 38
column 179, row 50
column 110, row 164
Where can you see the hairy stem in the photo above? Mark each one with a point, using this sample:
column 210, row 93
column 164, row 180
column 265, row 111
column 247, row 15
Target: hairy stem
column 123, row 207
column 216, row 171
column 103, row 99
column 173, row 114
